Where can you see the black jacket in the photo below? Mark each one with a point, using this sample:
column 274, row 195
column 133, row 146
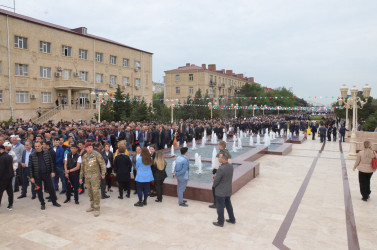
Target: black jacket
column 6, row 167
column 34, row 164
column 159, row 174
column 122, row 167
column 108, row 158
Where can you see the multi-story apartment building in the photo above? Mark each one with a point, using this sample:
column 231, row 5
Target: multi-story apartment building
column 187, row 80
column 41, row 62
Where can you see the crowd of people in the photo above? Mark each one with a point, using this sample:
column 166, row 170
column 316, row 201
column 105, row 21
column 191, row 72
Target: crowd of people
column 71, row 157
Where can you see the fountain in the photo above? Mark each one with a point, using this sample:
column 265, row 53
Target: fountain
column 224, row 137
column 239, row 143
column 184, row 144
column 213, row 138
column 234, row 138
column 258, row 139
column 178, row 144
column 193, row 144
column 172, row 167
column 234, row 148
column 214, row 158
column 148, row 149
column 172, row 150
column 251, row 141
column 205, row 133
column 198, row 163
column 204, row 140
column 166, row 146
column 267, row 141
column 276, row 135
column 241, row 134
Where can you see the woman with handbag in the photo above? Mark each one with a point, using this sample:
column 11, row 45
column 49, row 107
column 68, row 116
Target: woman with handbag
column 364, row 165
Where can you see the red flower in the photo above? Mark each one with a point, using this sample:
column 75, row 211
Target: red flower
column 37, row 188
column 80, row 190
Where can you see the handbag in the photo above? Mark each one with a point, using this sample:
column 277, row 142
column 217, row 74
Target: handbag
column 374, row 161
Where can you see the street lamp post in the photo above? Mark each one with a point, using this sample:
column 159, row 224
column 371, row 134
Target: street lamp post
column 210, row 106
column 353, row 102
column 343, row 92
column 99, row 99
column 235, row 110
column 254, row 107
column 172, row 110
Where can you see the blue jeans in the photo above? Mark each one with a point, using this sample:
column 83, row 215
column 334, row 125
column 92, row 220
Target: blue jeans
column 139, row 188
column 60, row 174
column 181, row 187
column 222, row 202
column 141, row 144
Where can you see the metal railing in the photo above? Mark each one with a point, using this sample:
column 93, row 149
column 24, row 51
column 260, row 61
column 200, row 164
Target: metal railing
column 46, row 116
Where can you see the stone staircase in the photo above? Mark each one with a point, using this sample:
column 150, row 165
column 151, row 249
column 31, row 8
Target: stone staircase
column 45, row 117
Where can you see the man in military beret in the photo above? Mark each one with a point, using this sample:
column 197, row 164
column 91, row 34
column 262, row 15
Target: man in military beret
column 93, row 168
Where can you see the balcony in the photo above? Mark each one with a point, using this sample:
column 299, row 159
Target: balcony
column 212, row 84
column 221, row 85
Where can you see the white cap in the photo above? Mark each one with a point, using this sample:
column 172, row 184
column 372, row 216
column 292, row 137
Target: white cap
column 7, row 144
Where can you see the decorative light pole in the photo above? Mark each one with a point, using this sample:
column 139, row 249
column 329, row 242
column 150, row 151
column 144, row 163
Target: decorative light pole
column 353, row 103
column 254, row 107
column 172, row 110
column 344, row 94
column 99, row 99
column 210, row 106
column 235, row 110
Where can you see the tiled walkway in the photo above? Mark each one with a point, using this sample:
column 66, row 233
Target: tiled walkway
column 260, row 208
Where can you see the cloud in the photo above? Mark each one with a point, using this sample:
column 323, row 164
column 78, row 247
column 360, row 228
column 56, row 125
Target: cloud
column 312, row 46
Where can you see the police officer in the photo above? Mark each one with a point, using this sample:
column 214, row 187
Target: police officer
column 72, row 164
column 90, row 169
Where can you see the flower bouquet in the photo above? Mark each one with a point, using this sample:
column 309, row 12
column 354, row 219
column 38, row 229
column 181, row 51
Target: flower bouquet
column 36, row 186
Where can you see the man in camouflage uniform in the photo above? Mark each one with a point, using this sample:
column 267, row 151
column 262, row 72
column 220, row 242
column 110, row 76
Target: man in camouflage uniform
column 93, row 168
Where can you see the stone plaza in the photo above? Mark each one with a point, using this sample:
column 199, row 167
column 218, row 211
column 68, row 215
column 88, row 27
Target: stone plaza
column 299, row 201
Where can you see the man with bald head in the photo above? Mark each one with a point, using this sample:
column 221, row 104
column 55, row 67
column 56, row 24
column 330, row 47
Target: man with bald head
column 25, row 171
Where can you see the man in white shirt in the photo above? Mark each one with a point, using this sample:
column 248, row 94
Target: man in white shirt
column 25, row 171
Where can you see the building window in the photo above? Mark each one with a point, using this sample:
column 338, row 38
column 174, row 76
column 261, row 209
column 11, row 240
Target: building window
column 1, row 96
column 45, row 72
column 126, row 62
column 191, row 90
column 137, row 82
column 99, row 78
column 66, row 50
column 67, row 74
column 210, row 91
column 84, row 76
column 210, row 78
column 21, row 70
column 113, row 59
column 137, row 65
column 99, row 57
column 83, row 54
column 191, row 77
column 45, row 47
column 46, row 97
column 177, row 90
column 126, row 80
column 177, row 78
column 22, row 96
column 20, row 42
column 113, row 80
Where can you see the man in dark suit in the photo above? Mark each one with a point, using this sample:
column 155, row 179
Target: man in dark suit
column 25, row 171
column 41, row 170
column 223, row 191
column 6, row 176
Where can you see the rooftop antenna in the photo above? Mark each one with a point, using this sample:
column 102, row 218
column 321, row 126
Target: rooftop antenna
column 8, row 7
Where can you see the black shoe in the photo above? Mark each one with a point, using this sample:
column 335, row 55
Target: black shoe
column 364, row 199
column 62, row 192
column 56, row 204
column 152, row 195
column 184, row 201
column 105, row 197
column 43, row 207
column 120, row 197
column 135, row 192
column 10, row 207
column 49, row 200
column 67, row 200
column 217, row 224
column 21, row 196
column 128, row 195
column 77, row 202
column 48, row 197
column 81, row 192
column 110, row 190
column 158, row 200
column 233, row 222
column 138, row 204
column 183, row 205
column 144, row 203
column 33, row 197
column 212, row 206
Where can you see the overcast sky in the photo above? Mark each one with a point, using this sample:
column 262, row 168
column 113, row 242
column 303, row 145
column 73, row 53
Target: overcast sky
column 311, row 46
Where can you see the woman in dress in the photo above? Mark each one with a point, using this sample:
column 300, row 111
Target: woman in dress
column 159, row 166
